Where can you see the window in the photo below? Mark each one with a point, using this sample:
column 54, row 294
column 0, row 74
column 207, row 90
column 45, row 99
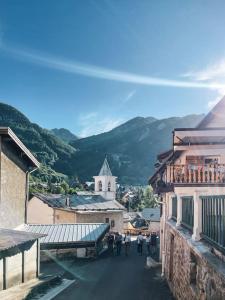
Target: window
column 171, row 257
column 188, row 212
column 211, row 160
column 112, row 223
column 213, row 219
column 193, row 269
column 107, row 220
column 100, row 186
column 174, row 208
column 109, row 186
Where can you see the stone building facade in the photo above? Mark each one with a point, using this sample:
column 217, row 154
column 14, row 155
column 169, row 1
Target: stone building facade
column 19, row 251
column 13, row 187
column 190, row 183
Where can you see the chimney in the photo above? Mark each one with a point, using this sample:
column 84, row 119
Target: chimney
column 67, row 201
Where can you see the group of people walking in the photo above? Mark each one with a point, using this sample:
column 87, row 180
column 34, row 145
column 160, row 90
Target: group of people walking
column 151, row 243
column 115, row 242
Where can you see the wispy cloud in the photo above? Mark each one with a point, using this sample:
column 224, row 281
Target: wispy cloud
column 75, row 67
column 93, row 123
column 129, row 96
column 211, row 73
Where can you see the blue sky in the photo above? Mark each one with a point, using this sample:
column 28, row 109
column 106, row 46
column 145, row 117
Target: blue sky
column 91, row 65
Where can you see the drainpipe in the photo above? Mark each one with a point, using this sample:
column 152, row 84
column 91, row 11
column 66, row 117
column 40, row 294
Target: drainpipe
column 27, row 192
column 163, row 244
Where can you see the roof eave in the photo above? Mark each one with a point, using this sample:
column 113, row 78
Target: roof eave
column 8, row 131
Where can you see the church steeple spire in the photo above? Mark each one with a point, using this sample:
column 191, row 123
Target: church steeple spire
column 105, row 182
column 105, row 169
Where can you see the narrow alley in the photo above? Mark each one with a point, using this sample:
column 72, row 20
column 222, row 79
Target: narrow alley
column 115, row 278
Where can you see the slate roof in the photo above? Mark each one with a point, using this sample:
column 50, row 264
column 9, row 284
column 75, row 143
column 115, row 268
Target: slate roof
column 80, row 202
column 105, row 169
column 69, row 233
column 10, row 238
column 151, row 214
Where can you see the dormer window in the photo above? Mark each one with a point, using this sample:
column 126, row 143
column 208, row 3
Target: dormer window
column 109, row 186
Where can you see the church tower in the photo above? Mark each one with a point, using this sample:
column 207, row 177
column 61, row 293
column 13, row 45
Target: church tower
column 105, row 182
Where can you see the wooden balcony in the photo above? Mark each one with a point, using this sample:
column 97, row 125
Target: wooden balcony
column 196, row 174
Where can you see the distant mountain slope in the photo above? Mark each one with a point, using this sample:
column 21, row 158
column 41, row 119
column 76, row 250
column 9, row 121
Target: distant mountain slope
column 131, row 148
column 49, row 149
column 64, row 134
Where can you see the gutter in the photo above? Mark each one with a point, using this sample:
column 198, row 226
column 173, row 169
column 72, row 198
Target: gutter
column 164, row 238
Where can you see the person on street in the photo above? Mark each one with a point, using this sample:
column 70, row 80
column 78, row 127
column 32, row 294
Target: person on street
column 153, row 243
column 110, row 242
column 118, row 242
column 127, row 240
column 148, row 240
column 140, row 240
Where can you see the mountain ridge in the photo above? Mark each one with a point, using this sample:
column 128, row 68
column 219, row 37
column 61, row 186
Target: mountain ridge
column 131, row 147
column 64, row 134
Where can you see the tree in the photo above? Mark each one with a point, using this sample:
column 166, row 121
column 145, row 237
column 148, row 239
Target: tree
column 59, row 190
column 148, row 199
column 65, row 187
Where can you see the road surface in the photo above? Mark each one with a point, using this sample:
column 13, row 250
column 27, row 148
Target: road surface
column 115, row 278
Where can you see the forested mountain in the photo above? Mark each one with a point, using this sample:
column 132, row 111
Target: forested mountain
column 48, row 149
column 131, row 148
column 64, row 134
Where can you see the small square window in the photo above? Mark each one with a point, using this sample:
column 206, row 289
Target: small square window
column 107, row 220
column 193, row 269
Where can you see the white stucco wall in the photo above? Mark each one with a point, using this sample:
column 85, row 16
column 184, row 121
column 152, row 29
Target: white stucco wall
column 108, row 195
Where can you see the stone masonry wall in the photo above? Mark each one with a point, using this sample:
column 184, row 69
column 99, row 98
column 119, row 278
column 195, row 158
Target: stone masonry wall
column 13, row 193
column 201, row 278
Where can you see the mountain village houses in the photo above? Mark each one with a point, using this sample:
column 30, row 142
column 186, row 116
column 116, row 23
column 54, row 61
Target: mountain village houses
column 190, row 182
column 84, row 207
column 20, row 243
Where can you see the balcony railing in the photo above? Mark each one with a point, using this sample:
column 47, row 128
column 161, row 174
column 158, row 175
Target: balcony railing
column 212, row 173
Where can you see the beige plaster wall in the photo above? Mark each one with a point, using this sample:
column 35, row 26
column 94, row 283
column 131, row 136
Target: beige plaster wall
column 30, row 262
column 39, row 213
column 100, row 217
column 63, row 216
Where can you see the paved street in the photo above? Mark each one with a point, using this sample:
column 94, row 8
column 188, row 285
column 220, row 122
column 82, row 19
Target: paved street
column 115, row 278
